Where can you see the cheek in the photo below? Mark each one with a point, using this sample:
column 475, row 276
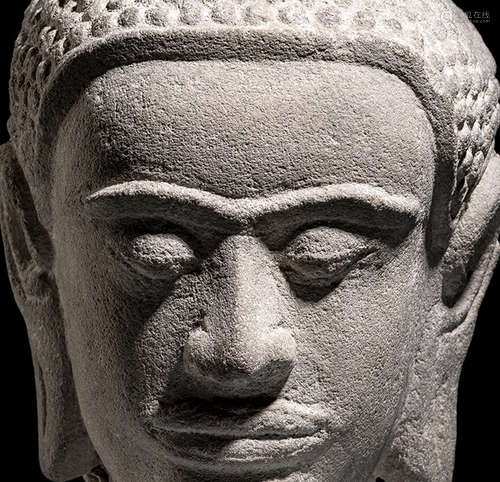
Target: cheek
column 125, row 334
column 356, row 345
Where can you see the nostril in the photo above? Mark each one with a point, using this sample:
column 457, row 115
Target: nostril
column 197, row 352
column 280, row 345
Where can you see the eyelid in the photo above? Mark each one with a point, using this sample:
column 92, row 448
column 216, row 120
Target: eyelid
column 159, row 255
column 335, row 256
column 329, row 263
column 335, row 237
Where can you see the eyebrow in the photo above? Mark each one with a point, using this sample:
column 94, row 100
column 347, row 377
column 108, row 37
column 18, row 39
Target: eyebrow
column 353, row 203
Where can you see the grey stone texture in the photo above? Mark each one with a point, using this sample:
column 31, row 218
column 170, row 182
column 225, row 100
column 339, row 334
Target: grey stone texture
column 250, row 238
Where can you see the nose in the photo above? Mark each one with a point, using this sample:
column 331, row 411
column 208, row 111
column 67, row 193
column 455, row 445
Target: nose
column 240, row 350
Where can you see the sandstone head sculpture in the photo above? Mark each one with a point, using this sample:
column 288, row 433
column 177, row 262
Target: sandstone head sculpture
column 249, row 238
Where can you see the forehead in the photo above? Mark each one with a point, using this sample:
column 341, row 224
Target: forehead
column 245, row 129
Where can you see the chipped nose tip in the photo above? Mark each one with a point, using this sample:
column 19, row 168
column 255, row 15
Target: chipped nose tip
column 259, row 365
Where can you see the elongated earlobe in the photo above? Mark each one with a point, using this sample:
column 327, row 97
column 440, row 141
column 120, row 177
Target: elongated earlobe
column 65, row 449
column 476, row 230
column 424, row 442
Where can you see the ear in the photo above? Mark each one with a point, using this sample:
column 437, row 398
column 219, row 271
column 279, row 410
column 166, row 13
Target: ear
column 424, row 441
column 476, row 233
column 65, row 449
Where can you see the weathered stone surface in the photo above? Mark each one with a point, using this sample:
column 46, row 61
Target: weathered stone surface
column 250, row 238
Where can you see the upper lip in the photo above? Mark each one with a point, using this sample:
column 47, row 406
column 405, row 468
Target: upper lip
column 276, row 420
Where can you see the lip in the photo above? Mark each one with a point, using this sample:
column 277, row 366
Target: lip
column 229, row 437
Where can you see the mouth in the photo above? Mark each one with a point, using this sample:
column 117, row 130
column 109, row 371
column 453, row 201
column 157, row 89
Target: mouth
column 239, row 437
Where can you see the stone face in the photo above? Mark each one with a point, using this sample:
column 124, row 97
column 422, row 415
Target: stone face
column 244, row 263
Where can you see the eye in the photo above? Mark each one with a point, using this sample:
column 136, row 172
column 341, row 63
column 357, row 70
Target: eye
column 320, row 258
column 160, row 255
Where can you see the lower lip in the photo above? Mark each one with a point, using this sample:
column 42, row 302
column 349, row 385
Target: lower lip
column 240, row 455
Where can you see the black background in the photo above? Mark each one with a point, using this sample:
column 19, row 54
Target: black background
column 477, row 445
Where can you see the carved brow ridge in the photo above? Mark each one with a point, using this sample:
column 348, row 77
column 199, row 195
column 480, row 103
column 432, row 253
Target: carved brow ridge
column 355, row 203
